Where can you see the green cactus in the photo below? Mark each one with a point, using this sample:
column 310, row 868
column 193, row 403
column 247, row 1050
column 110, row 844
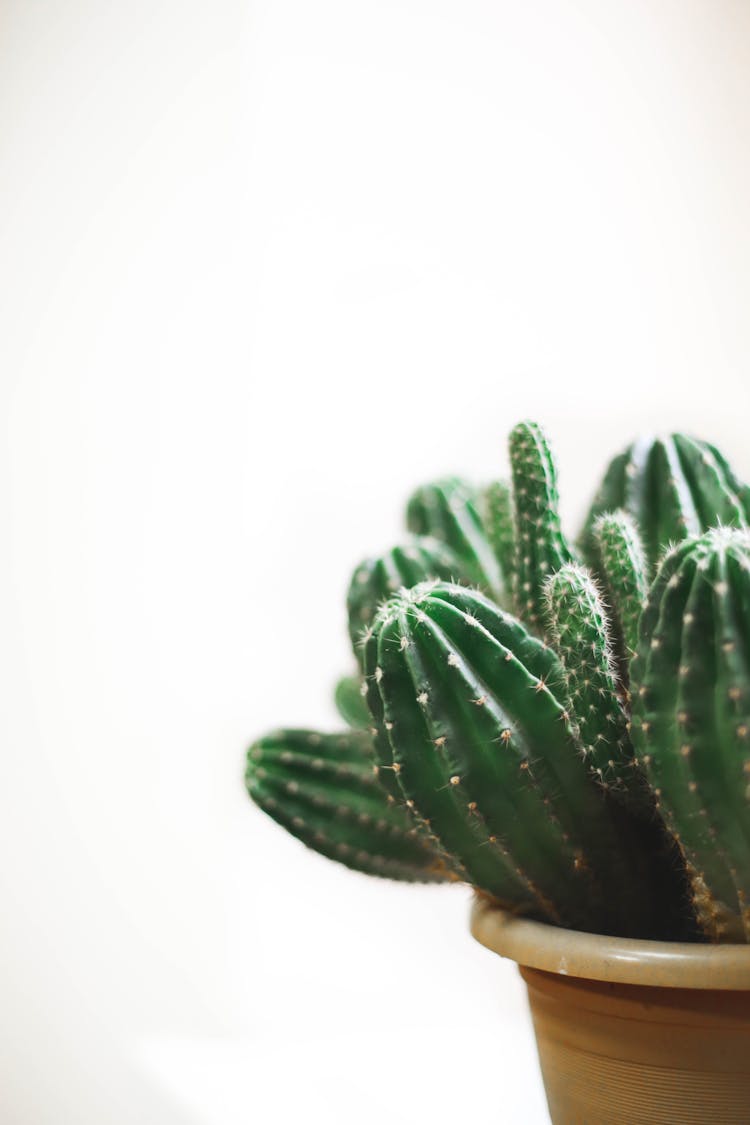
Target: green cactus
column 502, row 753
column 350, row 702
column 674, row 487
column 691, row 718
column 482, row 747
column 448, row 510
column 497, row 516
column 623, row 570
column 321, row 788
column 541, row 547
column 376, row 579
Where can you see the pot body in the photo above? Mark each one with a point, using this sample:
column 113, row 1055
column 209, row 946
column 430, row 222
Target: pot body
column 624, row 1054
column 632, row 1032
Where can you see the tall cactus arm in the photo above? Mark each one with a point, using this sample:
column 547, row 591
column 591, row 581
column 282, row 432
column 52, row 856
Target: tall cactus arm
column 480, row 745
column 691, row 719
column 541, row 547
column 387, row 768
column 426, row 739
column 449, row 510
column 321, row 788
column 623, row 571
column 579, row 630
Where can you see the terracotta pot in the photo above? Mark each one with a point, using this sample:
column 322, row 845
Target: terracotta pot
column 632, row 1032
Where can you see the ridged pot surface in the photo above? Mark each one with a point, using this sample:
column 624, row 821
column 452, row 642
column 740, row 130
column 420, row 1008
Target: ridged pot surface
column 630, row 1032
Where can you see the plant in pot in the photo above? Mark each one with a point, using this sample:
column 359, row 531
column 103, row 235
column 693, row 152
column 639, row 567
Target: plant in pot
column 567, row 729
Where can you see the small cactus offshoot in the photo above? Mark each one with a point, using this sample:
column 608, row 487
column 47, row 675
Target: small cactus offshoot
column 586, row 762
column 349, row 698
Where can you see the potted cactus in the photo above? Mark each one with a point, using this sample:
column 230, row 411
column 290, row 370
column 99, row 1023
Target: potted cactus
column 565, row 727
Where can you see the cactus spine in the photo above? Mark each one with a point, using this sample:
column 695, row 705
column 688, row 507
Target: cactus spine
column 674, row 487
column 623, row 569
column 448, row 510
column 481, row 746
column 691, row 718
column 321, row 788
column 541, row 547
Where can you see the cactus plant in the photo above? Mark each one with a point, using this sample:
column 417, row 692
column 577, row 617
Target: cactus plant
column 673, row 487
column 321, row 788
column 586, row 762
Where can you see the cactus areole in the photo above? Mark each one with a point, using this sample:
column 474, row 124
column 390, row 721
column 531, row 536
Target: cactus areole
column 563, row 724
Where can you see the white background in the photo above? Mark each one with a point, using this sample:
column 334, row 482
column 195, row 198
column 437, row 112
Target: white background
column 263, row 267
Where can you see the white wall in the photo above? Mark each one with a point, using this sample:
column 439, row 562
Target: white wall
column 263, row 267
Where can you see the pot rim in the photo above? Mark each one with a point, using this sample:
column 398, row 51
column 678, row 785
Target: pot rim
column 662, row 964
